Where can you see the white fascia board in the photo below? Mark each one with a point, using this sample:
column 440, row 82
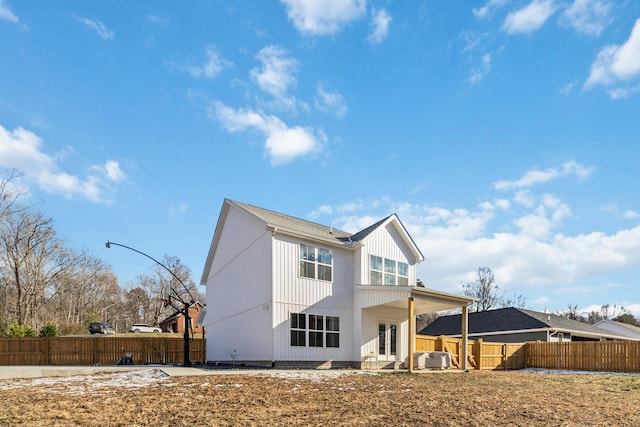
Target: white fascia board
column 408, row 240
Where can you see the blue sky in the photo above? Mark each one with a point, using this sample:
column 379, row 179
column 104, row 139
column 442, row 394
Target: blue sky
column 503, row 133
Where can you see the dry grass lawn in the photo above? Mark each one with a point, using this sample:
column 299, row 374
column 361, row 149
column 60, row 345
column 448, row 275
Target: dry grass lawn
column 348, row 398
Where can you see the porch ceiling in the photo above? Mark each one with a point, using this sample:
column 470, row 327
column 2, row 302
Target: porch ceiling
column 424, row 300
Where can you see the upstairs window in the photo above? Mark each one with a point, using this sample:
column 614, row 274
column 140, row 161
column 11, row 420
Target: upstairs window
column 388, row 272
column 315, row 262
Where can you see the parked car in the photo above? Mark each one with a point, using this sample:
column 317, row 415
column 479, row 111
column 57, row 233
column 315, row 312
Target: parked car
column 101, row 328
column 143, row 327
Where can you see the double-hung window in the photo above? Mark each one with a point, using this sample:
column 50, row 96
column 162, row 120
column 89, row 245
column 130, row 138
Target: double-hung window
column 315, row 262
column 389, row 272
column 322, row 331
column 298, row 329
column 316, row 330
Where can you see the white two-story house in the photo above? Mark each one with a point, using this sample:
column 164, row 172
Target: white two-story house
column 285, row 292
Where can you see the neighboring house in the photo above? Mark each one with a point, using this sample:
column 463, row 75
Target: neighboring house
column 285, row 292
column 620, row 328
column 519, row 325
column 175, row 322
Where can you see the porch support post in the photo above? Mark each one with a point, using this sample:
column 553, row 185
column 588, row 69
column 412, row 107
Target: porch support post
column 412, row 333
column 465, row 330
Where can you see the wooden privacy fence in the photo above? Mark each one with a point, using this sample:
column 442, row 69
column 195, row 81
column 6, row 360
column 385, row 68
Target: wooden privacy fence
column 97, row 350
column 481, row 355
column 606, row 356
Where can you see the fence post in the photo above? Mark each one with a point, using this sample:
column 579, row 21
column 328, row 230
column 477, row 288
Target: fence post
column 479, row 353
column 442, row 344
column 504, row 356
column 96, row 356
column 45, row 351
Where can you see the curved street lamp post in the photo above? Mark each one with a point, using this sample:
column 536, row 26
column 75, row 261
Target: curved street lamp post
column 184, row 310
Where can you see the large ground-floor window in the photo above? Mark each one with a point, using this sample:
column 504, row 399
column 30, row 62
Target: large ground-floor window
column 314, row 330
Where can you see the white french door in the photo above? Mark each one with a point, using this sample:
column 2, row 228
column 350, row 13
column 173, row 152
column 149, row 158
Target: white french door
column 387, row 341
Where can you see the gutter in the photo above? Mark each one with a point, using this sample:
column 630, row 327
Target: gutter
column 313, row 237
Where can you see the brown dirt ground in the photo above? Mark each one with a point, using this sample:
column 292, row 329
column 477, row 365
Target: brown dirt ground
column 352, row 399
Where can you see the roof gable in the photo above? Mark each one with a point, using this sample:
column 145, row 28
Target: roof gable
column 395, row 222
column 281, row 223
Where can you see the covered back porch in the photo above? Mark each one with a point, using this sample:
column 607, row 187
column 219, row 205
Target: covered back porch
column 387, row 319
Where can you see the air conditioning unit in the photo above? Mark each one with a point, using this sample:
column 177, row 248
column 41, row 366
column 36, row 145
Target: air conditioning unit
column 437, row 359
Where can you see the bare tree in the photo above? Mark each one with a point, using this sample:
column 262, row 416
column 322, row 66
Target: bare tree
column 168, row 286
column 9, row 194
column 513, row 300
column 627, row 318
column 87, row 289
column 136, row 305
column 573, row 314
column 605, row 312
column 34, row 262
column 484, row 289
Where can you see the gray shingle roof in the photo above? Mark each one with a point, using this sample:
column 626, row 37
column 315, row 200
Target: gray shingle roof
column 509, row 319
column 279, row 220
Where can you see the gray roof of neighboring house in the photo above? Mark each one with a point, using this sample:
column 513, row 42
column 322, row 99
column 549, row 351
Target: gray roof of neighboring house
column 632, row 330
column 508, row 320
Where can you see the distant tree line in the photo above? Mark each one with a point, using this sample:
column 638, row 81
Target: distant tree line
column 49, row 287
column 605, row 312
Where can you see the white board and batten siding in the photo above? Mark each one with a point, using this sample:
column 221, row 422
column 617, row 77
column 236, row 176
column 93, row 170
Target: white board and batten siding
column 295, row 294
column 372, row 317
column 239, row 292
column 385, row 242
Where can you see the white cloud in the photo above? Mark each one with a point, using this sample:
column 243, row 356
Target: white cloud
column 546, row 217
column 568, row 87
column 179, row 209
column 587, row 16
column 534, row 177
column 616, row 64
column 315, row 18
column 330, row 101
column 380, row 22
column 530, row 18
column 97, row 26
column 455, row 242
column 277, row 74
column 113, row 172
column 523, row 244
column 490, row 6
column 478, row 73
column 282, row 144
column 631, row 214
column 213, row 65
column 6, row 13
column 157, row 19
column 22, row 150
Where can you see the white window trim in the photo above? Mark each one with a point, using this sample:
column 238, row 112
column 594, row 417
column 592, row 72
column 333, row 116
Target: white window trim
column 382, row 272
column 315, row 262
